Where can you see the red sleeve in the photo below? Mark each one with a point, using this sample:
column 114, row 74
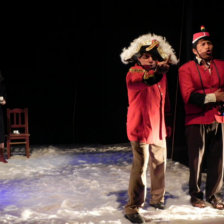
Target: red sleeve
column 135, row 80
column 185, row 82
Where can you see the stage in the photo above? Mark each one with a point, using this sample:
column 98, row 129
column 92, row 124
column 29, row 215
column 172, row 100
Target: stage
column 87, row 185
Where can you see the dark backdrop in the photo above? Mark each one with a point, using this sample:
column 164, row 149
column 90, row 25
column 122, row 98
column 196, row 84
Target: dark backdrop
column 63, row 62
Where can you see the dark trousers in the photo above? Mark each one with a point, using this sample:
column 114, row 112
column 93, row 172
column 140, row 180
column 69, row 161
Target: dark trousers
column 201, row 139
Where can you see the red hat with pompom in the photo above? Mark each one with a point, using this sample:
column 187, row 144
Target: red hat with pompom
column 200, row 35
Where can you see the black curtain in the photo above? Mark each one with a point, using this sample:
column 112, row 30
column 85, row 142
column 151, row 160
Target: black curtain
column 63, row 62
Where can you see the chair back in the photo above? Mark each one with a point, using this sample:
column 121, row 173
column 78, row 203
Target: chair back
column 17, row 120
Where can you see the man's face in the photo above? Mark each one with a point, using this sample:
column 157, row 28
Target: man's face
column 146, row 59
column 204, row 49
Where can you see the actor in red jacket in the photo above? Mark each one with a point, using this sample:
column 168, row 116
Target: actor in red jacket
column 202, row 88
column 147, row 85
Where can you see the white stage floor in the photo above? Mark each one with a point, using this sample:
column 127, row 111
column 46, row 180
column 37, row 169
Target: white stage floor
column 87, row 185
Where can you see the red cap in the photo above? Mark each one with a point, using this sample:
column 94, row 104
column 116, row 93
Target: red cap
column 200, row 35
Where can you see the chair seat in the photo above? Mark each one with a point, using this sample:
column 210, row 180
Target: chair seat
column 18, row 135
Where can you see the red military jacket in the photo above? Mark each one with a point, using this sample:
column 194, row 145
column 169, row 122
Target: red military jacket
column 145, row 117
column 197, row 79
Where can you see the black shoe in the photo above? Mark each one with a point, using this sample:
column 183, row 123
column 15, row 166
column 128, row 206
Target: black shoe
column 135, row 218
column 159, row 205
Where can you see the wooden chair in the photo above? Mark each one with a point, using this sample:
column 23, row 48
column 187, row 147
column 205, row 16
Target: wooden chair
column 17, row 129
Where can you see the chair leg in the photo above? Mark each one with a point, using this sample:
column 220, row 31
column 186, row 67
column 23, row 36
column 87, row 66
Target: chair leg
column 8, row 149
column 27, row 149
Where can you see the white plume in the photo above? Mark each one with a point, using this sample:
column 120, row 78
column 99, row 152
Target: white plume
column 146, row 39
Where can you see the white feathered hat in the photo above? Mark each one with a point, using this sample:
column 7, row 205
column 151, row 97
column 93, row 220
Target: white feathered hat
column 163, row 47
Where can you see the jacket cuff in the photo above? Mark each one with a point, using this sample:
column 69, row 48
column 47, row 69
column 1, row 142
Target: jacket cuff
column 151, row 77
column 197, row 99
column 210, row 98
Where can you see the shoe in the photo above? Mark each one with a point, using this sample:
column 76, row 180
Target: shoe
column 2, row 159
column 216, row 202
column 197, row 202
column 159, row 205
column 135, row 218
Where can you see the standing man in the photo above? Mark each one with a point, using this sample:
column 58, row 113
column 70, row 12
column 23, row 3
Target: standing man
column 202, row 88
column 147, row 85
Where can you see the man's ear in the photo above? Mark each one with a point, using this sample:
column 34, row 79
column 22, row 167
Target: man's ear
column 194, row 51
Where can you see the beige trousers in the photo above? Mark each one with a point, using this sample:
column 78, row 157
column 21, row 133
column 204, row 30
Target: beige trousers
column 153, row 155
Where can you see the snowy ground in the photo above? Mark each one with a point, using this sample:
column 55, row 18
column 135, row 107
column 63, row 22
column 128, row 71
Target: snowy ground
column 87, row 185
